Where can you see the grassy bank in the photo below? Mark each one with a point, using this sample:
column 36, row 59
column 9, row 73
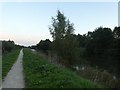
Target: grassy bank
column 8, row 60
column 41, row 74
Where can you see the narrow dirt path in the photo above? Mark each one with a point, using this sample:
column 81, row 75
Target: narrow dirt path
column 15, row 78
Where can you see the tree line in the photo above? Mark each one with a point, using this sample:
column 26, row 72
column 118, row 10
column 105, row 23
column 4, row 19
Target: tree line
column 100, row 47
column 8, row 46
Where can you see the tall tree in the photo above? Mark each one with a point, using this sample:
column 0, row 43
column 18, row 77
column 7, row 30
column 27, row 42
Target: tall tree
column 64, row 43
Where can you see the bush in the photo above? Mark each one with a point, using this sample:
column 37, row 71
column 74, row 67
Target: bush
column 101, row 77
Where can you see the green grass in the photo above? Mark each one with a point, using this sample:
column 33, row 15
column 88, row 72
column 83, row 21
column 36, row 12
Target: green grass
column 41, row 74
column 8, row 60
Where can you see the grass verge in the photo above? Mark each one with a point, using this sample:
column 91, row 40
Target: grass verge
column 8, row 60
column 41, row 74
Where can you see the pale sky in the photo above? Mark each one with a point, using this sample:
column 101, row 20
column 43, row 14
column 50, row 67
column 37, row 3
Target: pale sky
column 119, row 13
column 27, row 22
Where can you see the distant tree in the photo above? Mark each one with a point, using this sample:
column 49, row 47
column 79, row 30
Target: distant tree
column 99, row 40
column 44, row 45
column 116, row 32
column 8, row 46
column 80, row 40
column 64, row 43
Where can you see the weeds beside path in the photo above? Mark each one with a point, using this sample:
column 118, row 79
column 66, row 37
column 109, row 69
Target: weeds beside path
column 8, row 60
column 39, row 73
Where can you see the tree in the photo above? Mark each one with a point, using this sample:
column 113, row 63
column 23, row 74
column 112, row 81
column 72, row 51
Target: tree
column 8, row 46
column 100, row 39
column 116, row 47
column 116, row 32
column 64, row 43
column 44, row 46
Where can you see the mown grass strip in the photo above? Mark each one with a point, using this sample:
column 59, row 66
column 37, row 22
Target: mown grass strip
column 41, row 74
column 8, row 60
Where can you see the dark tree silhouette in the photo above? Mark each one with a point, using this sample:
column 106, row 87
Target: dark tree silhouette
column 64, row 43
